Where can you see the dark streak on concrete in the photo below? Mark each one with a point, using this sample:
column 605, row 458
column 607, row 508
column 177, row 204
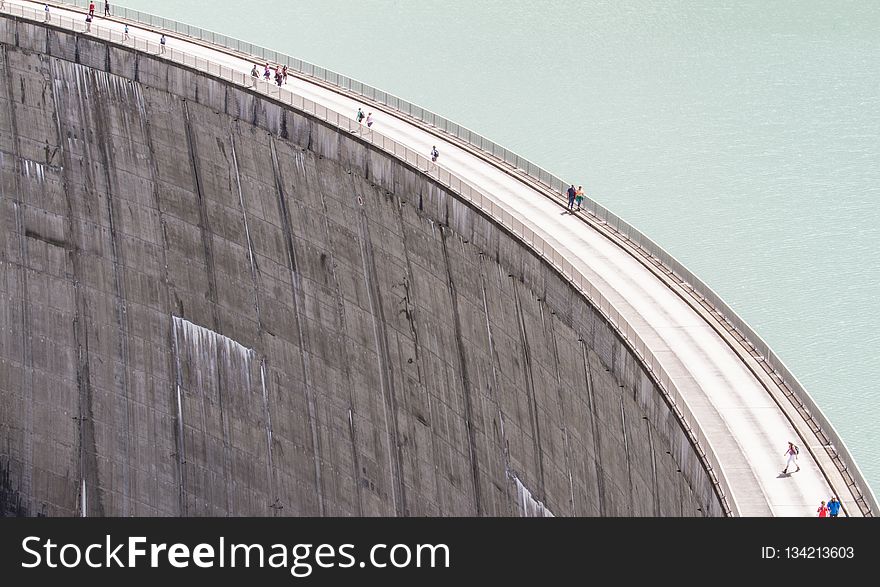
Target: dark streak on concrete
column 297, row 294
column 597, row 439
column 530, row 393
column 386, row 373
column 343, row 344
column 465, row 379
column 25, row 488
column 495, row 385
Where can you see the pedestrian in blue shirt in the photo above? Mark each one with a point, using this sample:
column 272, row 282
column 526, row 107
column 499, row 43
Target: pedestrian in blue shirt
column 833, row 507
column 571, row 195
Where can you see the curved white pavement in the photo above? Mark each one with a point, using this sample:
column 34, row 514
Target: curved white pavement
column 747, row 430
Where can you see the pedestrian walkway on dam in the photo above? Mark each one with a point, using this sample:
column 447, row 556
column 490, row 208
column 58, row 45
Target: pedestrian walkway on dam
column 740, row 421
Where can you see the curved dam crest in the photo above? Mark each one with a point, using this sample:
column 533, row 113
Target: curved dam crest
column 201, row 318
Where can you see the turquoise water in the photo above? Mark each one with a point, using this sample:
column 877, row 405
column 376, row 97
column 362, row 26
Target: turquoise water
column 743, row 136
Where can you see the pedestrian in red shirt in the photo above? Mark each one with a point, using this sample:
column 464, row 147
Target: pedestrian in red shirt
column 91, row 9
column 823, row 510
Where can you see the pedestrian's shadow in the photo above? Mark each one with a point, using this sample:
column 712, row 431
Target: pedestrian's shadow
column 783, row 475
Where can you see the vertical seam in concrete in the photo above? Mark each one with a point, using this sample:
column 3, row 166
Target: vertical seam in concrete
column 204, row 224
column 247, row 231
column 495, row 386
column 410, row 310
column 103, row 135
column 632, row 503
column 465, row 379
column 270, row 463
column 530, row 390
column 296, row 291
column 181, row 447
column 208, row 246
column 404, row 435
column 27, row 361
column 561, row 405
column 597, row 442
column 82, row 405
column 173, row 365
column 346, row 369
column 655, row 486
column 228, row 461
column 87, row 463
column 270, row 477
column 681, row 495
column 385, row 374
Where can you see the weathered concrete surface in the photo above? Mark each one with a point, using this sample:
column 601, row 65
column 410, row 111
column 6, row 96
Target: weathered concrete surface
column 212, row 305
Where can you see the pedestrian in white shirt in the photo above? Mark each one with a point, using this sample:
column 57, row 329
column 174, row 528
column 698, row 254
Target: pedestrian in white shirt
column 792, row 453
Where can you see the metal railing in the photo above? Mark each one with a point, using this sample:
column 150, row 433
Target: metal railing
column 813, row 415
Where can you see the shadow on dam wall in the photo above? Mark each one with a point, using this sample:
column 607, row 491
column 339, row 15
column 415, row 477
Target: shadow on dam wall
column 214, row 305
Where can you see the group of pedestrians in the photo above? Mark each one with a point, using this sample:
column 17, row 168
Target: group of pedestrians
column 91, row 9
column 277, row 72
column 575, row 196
column 89, row 18
column 364, row 119
column 106, row 9
column 90, row 15
column 367, row 119
column 832, row 508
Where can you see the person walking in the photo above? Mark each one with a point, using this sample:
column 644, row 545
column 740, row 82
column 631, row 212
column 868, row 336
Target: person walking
column 106, row 8
column 46, row 8
column 571, row 195
column 266, row 73
column 255, row 75
column 792, row 453
column 284, row 73
column 823, row 510
column 579, row 196
column 125, row 34
column 434, row 154
column 833, row 507
column 370, row 120
column 162, row 44
column 88, row 23
column 2, row 4
column 360, row 117
column 91, row 9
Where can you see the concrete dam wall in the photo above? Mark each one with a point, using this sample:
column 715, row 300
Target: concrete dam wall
column 215, row 305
